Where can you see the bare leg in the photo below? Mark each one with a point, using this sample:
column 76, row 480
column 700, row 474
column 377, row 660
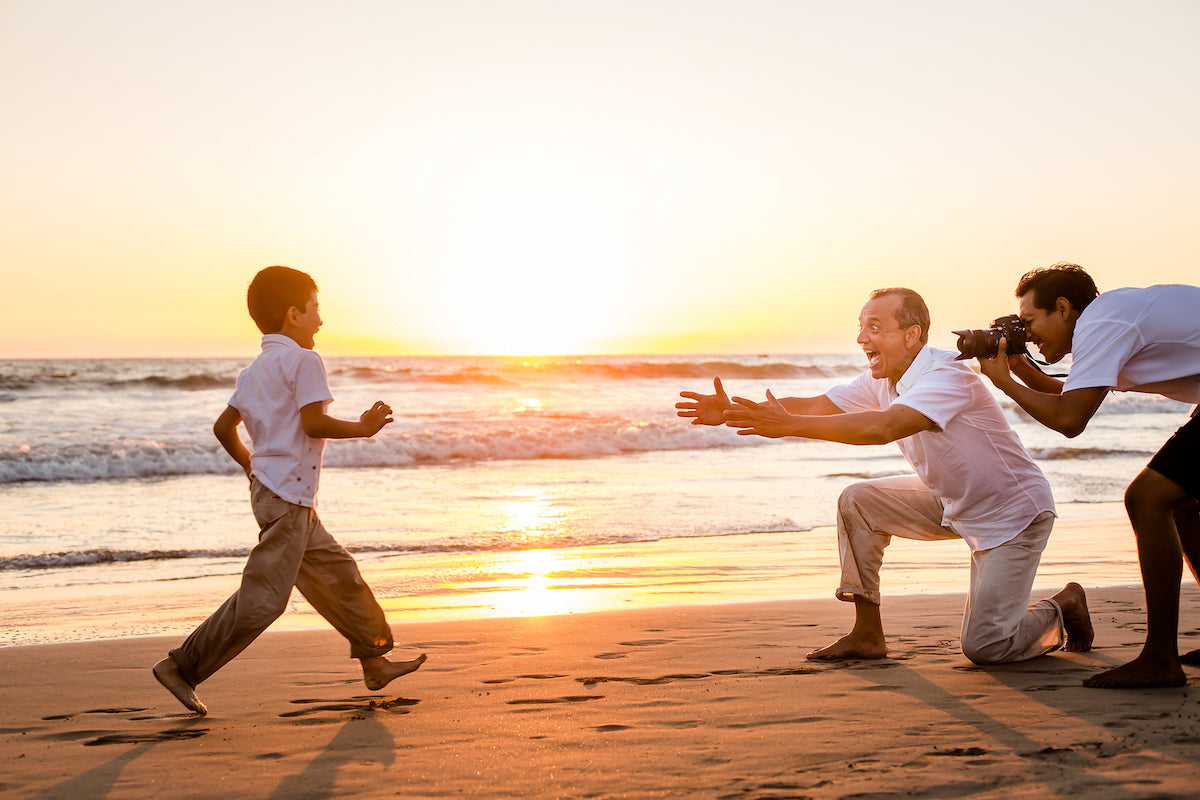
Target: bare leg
column 378, row 672
column 1151, row 501
column 167, row 673
column 1076, row 620
column 1187, row 522
column 865, row 640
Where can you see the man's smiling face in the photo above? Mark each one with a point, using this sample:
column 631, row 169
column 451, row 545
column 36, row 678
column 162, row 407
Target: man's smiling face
column 888, row 348
column 1048, row 330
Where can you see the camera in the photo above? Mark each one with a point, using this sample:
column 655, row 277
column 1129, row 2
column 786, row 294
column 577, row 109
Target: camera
column 985, row 344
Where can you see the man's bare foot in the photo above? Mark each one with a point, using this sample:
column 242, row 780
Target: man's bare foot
column 167, row 673
column 378, row 672
column 1144, row 672
column 1076, row 620
column 1191, row 658
column 851, row 645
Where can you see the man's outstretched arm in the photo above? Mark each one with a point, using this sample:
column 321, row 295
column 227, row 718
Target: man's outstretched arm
column 773, row 420
column 709, row 409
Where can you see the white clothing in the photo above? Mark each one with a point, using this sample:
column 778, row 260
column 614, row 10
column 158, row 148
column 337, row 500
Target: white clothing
column 270, row 392
column 998, row 624
column 989, row 487
column 1140, row 340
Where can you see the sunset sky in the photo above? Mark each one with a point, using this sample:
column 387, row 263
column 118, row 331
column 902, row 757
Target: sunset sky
column 509, row 176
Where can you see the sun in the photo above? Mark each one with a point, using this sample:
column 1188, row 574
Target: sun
column 530, row 239
column 532, row 273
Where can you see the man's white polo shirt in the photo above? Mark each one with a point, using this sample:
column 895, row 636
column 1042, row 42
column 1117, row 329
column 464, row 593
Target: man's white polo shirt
column 270, row 392
column 1140, row 340
column 973, row 462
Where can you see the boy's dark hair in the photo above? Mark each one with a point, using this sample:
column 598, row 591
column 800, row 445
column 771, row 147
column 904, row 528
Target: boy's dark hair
column 273, row 291
column 1063, row 279
column 912, row 310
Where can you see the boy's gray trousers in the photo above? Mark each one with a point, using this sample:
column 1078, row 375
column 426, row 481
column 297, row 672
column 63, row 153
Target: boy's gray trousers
column 293, row 549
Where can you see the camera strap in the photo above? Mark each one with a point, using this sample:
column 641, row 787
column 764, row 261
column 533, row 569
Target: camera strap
column 1039, row 364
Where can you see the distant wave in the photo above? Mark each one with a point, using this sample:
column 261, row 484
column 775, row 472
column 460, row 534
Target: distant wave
column 202, row 374
column 108, row 461
column 535, row 437
column 178, row 375
column 546, row 437
column 516, row 371
column 192, row 383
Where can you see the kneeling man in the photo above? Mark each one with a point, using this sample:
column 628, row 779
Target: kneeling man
column 974, row 481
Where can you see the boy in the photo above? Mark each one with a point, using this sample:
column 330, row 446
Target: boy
column 282, row 397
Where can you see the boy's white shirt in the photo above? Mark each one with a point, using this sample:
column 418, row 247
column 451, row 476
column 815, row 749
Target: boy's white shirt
column 270, row 392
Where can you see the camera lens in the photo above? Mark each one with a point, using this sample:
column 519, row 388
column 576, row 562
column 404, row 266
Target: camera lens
column 978, row 344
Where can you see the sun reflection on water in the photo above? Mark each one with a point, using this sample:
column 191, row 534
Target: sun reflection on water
column 533, row 516
column 529, row 405
column 531, row 582
column 534, row 587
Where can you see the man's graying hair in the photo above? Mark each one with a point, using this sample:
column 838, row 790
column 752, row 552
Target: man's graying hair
column 912, row 310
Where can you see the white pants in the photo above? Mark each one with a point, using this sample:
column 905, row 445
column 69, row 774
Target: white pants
column 998, row 624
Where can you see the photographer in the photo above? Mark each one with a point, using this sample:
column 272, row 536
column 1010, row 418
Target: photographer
column 973, row 481
column 1135, row 340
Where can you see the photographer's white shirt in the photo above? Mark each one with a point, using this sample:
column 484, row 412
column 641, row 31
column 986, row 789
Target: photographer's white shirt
column 283, row 379
column 1140, row 340
column 973, row 462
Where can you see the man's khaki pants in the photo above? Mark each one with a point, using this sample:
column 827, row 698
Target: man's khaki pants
column 294, row 549
column 998, row 624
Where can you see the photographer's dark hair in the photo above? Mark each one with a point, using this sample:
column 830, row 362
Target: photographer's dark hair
column 273, row 291
column 912, row 311
column 1063, row 279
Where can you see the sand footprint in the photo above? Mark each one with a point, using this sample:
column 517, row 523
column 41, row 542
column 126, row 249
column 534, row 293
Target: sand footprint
column 541, row 701
column 146, row 738
column 399, row 705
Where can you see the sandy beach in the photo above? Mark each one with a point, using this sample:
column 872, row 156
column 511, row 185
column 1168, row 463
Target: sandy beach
column 701, row 700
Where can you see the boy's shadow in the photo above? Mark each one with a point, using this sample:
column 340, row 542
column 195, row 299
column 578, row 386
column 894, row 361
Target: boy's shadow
column 362, row 738
column 99, row 781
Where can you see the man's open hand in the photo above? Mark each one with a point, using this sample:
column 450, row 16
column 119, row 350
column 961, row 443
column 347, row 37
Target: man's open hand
column 705, row 409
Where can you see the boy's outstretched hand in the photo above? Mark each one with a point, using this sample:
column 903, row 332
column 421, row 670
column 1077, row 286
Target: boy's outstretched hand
column 705, row 409
column 375, row 417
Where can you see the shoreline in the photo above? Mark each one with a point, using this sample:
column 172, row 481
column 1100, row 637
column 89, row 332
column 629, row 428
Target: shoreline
column 1093, row 546
column 698, row 700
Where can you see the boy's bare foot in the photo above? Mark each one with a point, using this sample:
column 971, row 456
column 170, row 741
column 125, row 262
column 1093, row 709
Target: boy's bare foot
column 1076, row 620
column 167, row 673
column 851, row 645
column 1144, row 672
column 378, row 672
column 1192, row 658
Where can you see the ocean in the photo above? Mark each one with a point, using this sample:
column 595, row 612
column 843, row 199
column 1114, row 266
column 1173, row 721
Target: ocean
column 121, row 515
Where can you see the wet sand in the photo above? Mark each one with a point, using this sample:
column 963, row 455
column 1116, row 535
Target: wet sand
column 699, row 700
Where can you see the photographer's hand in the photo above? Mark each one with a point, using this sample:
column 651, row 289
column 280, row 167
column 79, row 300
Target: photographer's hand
column 996, row 368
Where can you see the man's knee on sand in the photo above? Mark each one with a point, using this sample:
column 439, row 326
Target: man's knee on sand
column 997, row 647
column 987, row 653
